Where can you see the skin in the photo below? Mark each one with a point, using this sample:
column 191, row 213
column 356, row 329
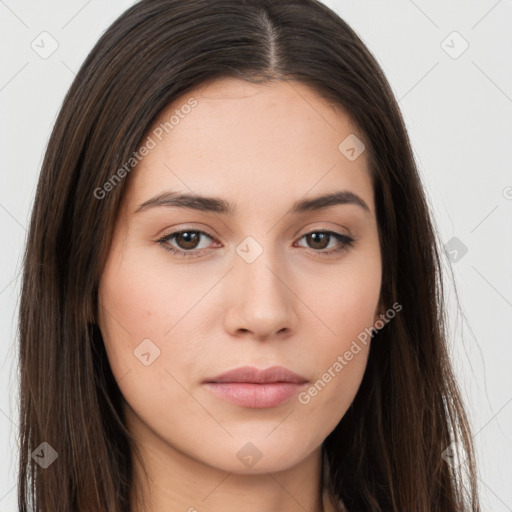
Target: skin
column 260, row 147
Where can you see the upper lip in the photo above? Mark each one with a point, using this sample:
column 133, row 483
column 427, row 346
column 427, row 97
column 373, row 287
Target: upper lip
column 255, row 375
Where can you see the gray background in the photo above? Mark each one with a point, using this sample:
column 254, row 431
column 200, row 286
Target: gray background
column 458, row 110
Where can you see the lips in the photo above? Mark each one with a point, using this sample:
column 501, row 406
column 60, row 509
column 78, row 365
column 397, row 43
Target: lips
column 250, row 374
column 258, row 389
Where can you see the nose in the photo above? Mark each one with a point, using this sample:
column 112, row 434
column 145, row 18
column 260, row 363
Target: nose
column 261, row 302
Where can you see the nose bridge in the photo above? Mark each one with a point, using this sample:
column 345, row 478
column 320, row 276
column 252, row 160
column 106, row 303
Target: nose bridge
column 261, row 276
column 263, row 303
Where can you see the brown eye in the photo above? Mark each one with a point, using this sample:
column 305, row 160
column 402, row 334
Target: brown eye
column 318, row 240
column 186, row 242
column 321, row 240
column 187, row 239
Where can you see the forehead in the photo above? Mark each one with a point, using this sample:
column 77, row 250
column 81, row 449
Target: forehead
column 272, row 139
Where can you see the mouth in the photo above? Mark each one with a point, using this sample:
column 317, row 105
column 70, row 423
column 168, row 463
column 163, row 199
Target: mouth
column 253, row 375
column 255, row 396
column 251, row 387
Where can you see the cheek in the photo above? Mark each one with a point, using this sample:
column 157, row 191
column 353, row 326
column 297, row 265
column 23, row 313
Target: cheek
column 345, row 301
column 143, row 299
column 340, row 359
column 144, row 307
column 152, row 320
column 347, row 308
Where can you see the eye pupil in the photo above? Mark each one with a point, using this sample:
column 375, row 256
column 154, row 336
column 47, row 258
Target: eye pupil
column 191, row 239
column 319, row 237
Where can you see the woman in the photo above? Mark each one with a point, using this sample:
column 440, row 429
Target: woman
column 232, row 290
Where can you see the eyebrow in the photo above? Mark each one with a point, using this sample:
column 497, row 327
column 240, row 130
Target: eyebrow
column 221, row 206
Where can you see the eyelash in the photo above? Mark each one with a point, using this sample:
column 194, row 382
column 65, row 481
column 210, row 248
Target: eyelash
column 345, row 243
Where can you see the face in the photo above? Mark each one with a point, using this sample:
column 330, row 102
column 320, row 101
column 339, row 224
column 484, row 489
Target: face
column 260, row 276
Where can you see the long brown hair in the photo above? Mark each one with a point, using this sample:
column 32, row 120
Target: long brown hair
column 387, row 452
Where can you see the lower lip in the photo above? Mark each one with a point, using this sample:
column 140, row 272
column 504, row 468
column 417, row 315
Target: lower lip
column 256, row 396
